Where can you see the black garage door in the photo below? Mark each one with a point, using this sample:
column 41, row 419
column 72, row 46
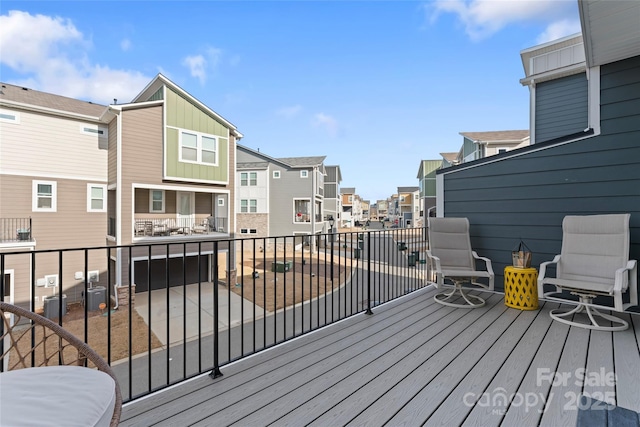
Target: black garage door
column 176, row 272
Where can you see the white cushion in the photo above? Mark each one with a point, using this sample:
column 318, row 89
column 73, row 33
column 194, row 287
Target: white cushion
column 56, row 396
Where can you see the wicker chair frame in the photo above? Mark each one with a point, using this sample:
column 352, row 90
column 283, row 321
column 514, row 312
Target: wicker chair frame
column 48, row 344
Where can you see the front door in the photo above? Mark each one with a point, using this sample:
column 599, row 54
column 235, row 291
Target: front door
column 186, row 208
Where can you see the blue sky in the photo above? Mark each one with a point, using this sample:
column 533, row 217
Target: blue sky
column 375, row 86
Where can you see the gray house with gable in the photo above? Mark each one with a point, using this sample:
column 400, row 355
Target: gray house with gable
column 279, row 197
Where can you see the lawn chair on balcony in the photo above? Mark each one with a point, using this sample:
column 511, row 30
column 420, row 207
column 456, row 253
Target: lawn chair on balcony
column 61, row 375
column 453, row 263
column 594, row 262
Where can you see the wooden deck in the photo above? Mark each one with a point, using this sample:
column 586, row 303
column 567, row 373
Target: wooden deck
column 414, row 362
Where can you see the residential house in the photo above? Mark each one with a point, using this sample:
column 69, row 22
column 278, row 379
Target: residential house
column 585, row 125
column 478, row 145
column 282, row 196
column 427, row 186
column 332, row 198
column 449, row 159
column 157, row 169
column 366, row 208
column 348, row 201
column 383, row 209
column 409, row 205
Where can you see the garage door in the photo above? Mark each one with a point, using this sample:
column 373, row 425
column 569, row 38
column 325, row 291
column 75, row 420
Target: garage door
column 176, row 272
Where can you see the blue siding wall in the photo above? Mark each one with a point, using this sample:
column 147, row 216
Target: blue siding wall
column 561, row 107
column 528, row 195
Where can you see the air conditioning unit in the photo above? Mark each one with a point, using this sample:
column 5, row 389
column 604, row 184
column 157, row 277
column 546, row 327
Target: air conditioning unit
column 94, row 276
column 51, row 280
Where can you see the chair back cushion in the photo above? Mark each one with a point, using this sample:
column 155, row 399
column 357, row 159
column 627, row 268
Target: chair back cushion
column 449, row 240
column 594, row 247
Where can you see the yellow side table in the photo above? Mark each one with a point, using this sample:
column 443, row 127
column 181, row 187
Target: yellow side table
column 521, row 288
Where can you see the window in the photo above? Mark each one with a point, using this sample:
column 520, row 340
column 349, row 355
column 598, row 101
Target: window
column 302, row 210
column 156, row 201
column 276, row 174
column 250, row 178
column 44, row 196
column 502, row 150
column 220, row 201
column 350, row 198
column 198, row 148
column 9, row 116
column 248, row 205
column 96, row 198
column 247, row 231
column 304, row 174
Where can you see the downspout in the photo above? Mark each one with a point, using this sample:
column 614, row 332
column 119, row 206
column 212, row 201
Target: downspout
column 313, row 210
column 118, row 112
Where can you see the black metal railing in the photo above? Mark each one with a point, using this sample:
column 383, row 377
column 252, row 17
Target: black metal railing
column 199, row 305
column 15, row 230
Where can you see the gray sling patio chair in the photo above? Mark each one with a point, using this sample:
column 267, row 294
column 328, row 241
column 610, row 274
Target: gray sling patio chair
column 594, row 261
column 452, row 263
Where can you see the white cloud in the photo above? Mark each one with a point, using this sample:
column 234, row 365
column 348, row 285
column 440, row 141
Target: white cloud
column 125, row 44
column 559, row 29
column 197, row 67
column 201, row 65
column 52, row 56
column 482, row 18
column 289, row 112
column 326, row 122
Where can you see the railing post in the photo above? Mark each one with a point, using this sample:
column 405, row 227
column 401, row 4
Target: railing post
column 369, row 273
column 215, row 373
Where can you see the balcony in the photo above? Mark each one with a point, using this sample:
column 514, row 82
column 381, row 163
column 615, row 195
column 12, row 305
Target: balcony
column 145, row 227
column 15, row 231
column 349, row 334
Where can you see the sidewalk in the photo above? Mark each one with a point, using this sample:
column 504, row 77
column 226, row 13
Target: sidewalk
column 187, row 308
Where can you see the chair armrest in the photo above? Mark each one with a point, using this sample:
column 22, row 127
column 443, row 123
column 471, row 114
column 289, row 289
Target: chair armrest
column 631, row 267
column 543, row 267
column 487, row 262
column 433, row 260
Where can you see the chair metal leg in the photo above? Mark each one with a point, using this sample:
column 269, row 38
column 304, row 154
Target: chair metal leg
column 472, row 301
column 565, row 317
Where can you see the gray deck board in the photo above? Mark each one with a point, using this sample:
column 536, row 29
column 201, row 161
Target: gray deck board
column 412, row 362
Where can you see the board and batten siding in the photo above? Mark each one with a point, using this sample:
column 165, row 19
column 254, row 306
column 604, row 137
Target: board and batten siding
column 561, row 107
column 527, row 194
column 181, row 114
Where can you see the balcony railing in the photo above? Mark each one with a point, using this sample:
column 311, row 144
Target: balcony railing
column 176, row 226
column 15, row 230
column 199, row 305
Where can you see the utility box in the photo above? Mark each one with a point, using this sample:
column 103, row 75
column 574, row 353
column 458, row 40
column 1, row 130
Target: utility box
column 52, row 306
column 281, row 266
column 96, row 296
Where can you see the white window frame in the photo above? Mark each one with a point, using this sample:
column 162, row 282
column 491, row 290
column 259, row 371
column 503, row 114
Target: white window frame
column 276, row 174
column 244, row 179
column 90, row 187
column 295, row 213
column 94, row 130
column 244, row 205
column 35, row 196
column 253, row 205
column 15, row 120
column 304, row 173
column 199, row 147
column 253, row 179
column 163, row 201
column 220, row 201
